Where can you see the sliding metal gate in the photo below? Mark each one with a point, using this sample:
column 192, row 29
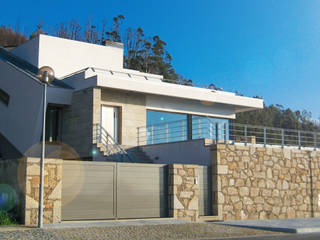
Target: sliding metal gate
column 205, row 191
column 104, row 190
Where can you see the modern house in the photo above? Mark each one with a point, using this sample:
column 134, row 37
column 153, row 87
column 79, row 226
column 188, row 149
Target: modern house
column 97, row 107
column 127, row 144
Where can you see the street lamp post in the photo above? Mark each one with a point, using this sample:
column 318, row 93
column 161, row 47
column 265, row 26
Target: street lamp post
column 46, row 75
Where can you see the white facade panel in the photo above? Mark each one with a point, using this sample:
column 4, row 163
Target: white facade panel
column 67, row 56
column 179, row 105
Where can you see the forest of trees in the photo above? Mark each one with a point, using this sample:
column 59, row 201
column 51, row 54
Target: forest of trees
column 143, row 53
column 278, row 116
column 149, row 54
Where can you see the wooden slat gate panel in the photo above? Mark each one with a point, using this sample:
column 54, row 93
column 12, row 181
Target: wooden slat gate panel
column 205, row 191
column 105, row 190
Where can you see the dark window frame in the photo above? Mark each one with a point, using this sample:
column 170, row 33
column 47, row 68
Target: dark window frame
column 4, row 97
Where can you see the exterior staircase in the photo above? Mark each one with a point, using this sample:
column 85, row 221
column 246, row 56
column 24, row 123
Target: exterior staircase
column 108, row 147
column 138, row 154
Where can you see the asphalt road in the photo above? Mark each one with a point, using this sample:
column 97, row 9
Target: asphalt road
column 306, row 236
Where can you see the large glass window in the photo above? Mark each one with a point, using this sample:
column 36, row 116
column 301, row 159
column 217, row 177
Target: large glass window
column 210, row 127
column 172, row 127
column 166, row 127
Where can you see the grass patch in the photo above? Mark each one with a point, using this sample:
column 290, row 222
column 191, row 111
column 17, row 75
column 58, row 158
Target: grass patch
column 6, row 219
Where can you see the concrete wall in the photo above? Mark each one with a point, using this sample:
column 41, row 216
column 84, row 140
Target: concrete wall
column 77, row 123
column 28, row 51
column 20, row 121
column 7, row 150
column 67, row 56
column 187, row 152
column 12, row 186
column 265, row 183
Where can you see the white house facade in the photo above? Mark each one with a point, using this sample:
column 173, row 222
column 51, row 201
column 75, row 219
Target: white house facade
column 94, row 102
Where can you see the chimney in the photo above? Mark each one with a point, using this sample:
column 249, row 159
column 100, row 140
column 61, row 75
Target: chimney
column 112, row 44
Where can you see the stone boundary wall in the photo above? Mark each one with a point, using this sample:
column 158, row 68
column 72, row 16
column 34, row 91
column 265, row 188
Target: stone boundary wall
column 52, row 191
column 183, row 192
column 21, row 177
column 265, row 183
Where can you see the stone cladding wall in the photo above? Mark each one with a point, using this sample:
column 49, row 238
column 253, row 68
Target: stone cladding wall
column 52, row 191
column 253, row 182
column 183, row 192
column 77, row 127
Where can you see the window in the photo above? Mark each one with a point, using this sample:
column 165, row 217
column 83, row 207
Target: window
column 53, row 123
column 4, row 97
column 166, row 127
column 210, row 127
column 171, row 127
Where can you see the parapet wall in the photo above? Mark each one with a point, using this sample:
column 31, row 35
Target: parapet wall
column 265, row 183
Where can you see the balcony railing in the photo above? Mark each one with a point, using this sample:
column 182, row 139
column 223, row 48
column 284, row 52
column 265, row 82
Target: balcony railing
column 228, row 133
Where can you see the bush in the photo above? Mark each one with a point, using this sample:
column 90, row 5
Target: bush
column 5, row 219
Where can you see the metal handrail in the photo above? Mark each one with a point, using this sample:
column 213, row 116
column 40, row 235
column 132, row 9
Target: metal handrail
column 103, row 137
column 231, row 133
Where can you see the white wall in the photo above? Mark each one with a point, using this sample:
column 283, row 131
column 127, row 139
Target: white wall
column 20, row 121
column 180, row 105
column 68, row 56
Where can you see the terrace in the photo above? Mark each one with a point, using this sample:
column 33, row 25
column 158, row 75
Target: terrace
column 226, row 132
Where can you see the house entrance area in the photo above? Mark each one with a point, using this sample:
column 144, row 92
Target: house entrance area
column 109, row 190
column 110, row 121
column 53, row 123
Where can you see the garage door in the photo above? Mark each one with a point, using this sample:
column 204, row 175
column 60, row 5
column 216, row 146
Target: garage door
column 205, row 194
column 94, row 190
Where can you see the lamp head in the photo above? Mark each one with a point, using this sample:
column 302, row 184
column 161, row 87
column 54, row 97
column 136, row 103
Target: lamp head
column 45, row 74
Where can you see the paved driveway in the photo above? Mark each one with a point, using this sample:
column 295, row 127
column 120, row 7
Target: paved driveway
column 302, row 225
column 130, row 232
column 307, row 236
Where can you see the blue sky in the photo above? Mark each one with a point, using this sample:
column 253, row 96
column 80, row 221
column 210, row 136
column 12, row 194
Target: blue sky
column 269, row 48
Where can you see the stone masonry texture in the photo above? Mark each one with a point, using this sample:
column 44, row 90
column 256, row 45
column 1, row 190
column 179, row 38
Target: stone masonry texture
column 78, row 123
column 132, row 109
column 52, row 191
column 183, row 192
column 265, row 183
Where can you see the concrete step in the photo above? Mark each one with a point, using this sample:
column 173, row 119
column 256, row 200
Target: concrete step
column 135, row 152
column 210, row 218
column 138, row 154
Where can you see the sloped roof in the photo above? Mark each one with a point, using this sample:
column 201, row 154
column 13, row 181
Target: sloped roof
column 27, row 68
